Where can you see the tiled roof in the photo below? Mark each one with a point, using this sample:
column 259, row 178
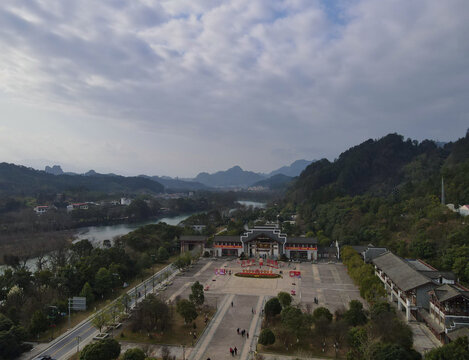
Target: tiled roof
column 447, row 291
column 301, row 240
column 194, row 238
column 400, row 272
column 227, row 238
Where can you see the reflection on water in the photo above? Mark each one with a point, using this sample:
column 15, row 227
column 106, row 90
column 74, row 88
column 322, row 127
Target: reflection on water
column 97, row 234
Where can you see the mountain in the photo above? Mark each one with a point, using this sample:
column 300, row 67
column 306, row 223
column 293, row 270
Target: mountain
column 20, row 180
column 276, row 182
column 234, row 177
column 54, row 170
column 376, row 167
column 293, row 170
column 177, row 184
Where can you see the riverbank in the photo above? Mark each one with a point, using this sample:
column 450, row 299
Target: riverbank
column 29, row 247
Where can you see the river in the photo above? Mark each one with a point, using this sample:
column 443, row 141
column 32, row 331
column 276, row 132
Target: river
column 96, row 234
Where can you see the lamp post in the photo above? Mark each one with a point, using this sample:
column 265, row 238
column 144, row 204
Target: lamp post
column 78, row 343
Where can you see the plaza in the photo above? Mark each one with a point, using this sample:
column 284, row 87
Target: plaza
column 328, row 282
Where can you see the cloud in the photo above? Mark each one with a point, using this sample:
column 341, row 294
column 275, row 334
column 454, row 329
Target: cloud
column 205, row 84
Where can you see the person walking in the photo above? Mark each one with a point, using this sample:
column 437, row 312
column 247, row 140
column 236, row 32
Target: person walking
column 236, row 350
column 237, row 330
column 231, row 351
column 232, row 304
column 247, row 335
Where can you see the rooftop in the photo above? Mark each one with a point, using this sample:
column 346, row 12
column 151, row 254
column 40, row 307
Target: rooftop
column 400, row 271
column 448, row 291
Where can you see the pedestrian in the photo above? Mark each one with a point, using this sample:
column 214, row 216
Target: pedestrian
column 232, row 351
column 252, row 310
column 247, row 335
column 236, row 350
column 237, row 330
column 232, row 304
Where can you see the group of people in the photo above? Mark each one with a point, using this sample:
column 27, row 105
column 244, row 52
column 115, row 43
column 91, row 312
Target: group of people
column 234, row 351
column 242, row 333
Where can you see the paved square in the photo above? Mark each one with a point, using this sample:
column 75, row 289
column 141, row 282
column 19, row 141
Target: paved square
column 327, row 282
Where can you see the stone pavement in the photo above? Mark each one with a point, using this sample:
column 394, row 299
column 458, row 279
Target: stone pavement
column 424, row 340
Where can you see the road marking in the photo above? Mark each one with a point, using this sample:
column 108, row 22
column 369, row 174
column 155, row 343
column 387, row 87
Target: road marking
column 73, row 340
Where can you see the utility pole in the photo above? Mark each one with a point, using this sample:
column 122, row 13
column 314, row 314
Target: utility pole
column 442, row 191
column 78, row 343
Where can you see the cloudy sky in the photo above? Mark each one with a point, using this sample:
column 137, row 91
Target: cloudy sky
column 174, row 87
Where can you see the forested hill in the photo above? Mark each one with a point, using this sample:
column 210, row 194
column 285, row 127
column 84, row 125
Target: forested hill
column 387, row 192
column 380, row 167
column 20, row 180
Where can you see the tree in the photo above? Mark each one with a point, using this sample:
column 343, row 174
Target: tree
column 163, row 254
column 112, row 348
column 355, row 315
column 266, row 337
column 284, row 298
column 272, row 307
column 100, row 320
column 38, row 323
column 322, row 312
column 295, row 321
column 107, row 349
column 456, row 350
column 11, row 339
column 87, row 292
column 382, row 351
column 197, row 296
column 153, row 314
column 187, row 310
column 134, row 354
column 103, row 281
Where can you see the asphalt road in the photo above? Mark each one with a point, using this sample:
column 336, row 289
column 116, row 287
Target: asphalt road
column 66, row 345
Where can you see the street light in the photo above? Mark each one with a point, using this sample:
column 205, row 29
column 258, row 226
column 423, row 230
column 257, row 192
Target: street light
column 78, row 343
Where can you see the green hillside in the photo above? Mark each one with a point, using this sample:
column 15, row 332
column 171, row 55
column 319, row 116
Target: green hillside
column 20, row 180
column 387, row 192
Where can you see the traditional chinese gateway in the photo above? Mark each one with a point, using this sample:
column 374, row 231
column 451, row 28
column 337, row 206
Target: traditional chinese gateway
column 261, row 241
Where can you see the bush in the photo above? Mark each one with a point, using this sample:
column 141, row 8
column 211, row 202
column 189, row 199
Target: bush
column 272, row 307
column 108, row 349
column 284, row 298
column 322, row 313
column 266, row 337
column 134, row 354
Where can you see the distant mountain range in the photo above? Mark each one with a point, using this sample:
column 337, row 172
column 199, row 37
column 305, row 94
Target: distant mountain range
column 20, row 180
column 234, row 177
column 293, row 170
column 237, row 177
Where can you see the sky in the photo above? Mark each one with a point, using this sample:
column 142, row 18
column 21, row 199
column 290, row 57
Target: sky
column 176, row 87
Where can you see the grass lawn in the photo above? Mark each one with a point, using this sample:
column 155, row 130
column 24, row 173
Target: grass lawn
column 179, row 334
column 77, row 317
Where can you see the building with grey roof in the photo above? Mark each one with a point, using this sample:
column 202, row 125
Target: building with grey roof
column 403, row 282
column 449, row 309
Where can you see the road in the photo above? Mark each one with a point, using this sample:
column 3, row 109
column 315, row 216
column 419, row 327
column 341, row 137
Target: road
column 66, row 345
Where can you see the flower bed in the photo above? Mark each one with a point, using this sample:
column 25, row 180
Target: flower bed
column 258, row 275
